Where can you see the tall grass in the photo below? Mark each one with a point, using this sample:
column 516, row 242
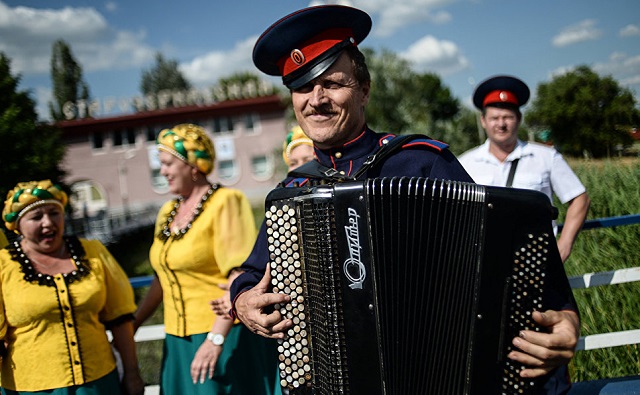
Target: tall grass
column 614, row 189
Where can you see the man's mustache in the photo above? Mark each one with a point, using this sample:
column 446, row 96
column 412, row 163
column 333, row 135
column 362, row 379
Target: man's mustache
column 322, row 110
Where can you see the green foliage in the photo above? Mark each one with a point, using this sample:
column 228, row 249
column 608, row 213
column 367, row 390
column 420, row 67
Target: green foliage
column 163, row 76
column 614, row 187
column 402, row 101
column 29, row 150
column 585, row 113
column 67, row 80
column 463, row 132
column 388, row 85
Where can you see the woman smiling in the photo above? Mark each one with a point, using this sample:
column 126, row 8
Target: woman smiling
column 58, row 295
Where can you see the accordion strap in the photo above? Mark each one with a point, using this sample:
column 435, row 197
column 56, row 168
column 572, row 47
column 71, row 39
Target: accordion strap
column 391, row 146
column 314, row 169
column 512, row 172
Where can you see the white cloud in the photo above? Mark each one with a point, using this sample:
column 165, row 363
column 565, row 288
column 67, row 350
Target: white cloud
column 28, row 34
column 208, row 68
column 580, row 32
column 111, row 6
column 630, row 31
column 621, row 67
column 393, row 15
column 43, row 96
column 433, row 55
column 313, row 3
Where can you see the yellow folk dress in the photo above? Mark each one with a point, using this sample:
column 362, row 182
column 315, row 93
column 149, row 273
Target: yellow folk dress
column 55, row 325
column 190, row 266
column 3, row 239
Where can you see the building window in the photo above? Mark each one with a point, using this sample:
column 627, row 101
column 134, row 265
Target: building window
column 117, row 139
column 262, row 167
column 88, row 199
column 97, row 141
column 130, row 136
column 249, row 122
column 125, row 137
column 151, row 134
column 223, row 125
column 228, row 170
column 158, row 182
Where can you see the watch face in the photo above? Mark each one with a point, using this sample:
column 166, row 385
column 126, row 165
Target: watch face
column 217, row 339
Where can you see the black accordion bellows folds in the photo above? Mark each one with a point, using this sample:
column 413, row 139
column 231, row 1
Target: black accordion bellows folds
column 409, row 285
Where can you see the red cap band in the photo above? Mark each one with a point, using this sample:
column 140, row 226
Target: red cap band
column 312, row 48
column 500, row 97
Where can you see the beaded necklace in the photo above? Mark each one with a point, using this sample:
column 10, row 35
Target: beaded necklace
column 165, row 233
column 77, row 256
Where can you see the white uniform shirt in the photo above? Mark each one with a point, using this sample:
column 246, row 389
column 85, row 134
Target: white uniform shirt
column 540, row 168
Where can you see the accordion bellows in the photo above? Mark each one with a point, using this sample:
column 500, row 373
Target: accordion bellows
column 408, row 285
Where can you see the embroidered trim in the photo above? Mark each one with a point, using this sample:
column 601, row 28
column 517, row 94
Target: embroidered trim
column 76, row 251
column 165, row 233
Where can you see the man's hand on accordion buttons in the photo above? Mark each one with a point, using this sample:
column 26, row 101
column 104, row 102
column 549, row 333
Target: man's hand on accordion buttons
column 543, row 352
column 255, row 309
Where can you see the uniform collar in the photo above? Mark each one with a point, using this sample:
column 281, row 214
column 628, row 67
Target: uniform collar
column 359, row 147
column 521, row 149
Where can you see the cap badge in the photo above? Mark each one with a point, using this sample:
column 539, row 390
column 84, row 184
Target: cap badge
column 504, row 96
column 297, row 57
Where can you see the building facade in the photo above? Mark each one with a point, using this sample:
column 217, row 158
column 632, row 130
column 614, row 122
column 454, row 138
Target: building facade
column 112, row 163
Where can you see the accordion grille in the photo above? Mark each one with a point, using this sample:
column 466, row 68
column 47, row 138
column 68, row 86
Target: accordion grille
column 427, row 253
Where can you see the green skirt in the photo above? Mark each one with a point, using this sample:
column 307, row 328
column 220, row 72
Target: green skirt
column 107, row 385
column 247, row 365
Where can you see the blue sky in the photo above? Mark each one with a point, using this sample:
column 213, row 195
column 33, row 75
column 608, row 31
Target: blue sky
column 463, row 41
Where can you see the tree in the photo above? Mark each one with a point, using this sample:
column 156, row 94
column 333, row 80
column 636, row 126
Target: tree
column 164, row 76
column 386, row 108
column 29, row 150
column 461, row 132
column 584, row 113
column 403, row 101
column 67, row 80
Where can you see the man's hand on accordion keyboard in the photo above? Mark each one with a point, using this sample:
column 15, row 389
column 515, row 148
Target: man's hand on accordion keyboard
column 543, row 352
column 253, row 309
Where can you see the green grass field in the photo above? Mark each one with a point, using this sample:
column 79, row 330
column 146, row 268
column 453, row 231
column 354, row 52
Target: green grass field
column 614, row 188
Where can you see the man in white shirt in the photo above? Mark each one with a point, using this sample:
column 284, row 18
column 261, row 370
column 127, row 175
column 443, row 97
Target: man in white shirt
column 504, row 160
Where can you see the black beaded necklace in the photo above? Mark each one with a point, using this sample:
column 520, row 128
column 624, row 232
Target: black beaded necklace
column 165, row 233
column 30, row 274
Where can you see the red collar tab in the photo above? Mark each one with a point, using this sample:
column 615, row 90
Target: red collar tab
column 312, row 48
column 500, row 96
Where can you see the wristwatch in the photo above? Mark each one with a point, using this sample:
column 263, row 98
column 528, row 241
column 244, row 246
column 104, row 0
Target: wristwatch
column 215, row 338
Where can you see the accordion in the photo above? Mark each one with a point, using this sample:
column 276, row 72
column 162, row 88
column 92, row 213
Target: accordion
column 408, row 285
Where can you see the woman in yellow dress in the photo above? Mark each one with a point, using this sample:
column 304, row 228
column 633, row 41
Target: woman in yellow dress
column 58, row 295
column 201, row 237
column 3, row 239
